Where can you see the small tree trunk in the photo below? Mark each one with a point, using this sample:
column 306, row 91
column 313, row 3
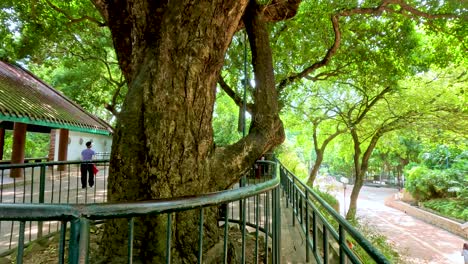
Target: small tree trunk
column 315, row 169
column 360, row 171
column 351, row 214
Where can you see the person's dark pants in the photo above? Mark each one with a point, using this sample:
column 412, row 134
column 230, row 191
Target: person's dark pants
column 87, row 169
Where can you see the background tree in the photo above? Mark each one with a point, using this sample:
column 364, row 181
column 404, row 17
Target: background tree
column 322, row 127
column 69, row 46
column 371, row 117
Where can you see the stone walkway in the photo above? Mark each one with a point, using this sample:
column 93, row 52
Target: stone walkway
column 293, row 241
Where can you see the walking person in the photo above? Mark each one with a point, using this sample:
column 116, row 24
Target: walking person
column 465, row 252
column 87, row 168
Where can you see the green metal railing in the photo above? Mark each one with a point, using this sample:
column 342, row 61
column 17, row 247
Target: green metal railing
column 52, row 206
column 242, row 205
column 46, row 183
column 325, row 249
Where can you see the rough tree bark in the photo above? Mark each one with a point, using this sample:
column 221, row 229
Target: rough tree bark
column 171, row 54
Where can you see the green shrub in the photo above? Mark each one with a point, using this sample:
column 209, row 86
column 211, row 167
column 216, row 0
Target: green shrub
column 452, row 207
column 425, row 184
column 330, row 199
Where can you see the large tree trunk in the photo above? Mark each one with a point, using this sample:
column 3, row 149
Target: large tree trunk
column 171, row 54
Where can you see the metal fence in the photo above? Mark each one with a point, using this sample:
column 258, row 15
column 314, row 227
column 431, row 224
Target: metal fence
column 48, row 201
column 254, row 203
column 46, row 183
column 329, row 237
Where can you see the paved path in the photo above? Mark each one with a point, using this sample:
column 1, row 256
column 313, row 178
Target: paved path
column 418, row 241
column 293, row 240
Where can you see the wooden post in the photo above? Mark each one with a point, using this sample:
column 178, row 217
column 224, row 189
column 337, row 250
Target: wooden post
column 52, row 145
column 17, row 154
column 2, row 142
column 63, row 147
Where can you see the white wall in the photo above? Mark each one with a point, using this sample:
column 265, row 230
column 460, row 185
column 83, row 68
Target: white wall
column 77, row 142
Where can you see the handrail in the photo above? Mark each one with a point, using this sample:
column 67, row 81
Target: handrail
column 49, row 163
column 343, row 224
column 81, row 215
column 23, row 212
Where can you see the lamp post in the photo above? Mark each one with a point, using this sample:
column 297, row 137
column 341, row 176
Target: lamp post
column 345, row 181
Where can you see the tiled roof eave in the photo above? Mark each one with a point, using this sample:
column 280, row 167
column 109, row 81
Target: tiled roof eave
column 28, row 120
column 26, row 98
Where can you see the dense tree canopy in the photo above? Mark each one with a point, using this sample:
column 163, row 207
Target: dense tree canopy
column 156, row 66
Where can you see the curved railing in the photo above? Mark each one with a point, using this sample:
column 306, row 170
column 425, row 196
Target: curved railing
column 49, row 199
column 305, row 204
column 79, row 216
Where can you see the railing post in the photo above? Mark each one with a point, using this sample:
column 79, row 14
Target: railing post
column 307, row 225
column 278, row 211
column 243, row 221
column 20, row 248
column 267, row 220
column 278, row 225
column 325, row 245
column 342, row 242
column 42, row 178
column 293, row 202
column 84, row 241
column 274, row 222
column 168, row 238
column 73, row 248
column 200, row 239
column 78, row 251
column 301, row 205
column 314, row 233
column 226, row 234
column 131, row 227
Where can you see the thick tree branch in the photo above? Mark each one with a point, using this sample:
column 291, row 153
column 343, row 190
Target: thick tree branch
column 266, row 130
column 371, row 104
column 330, row 53
column 325, row 75
column 405, row 9
column 279, row 10
column 231, row 93
column 276, row 10
column 385, row 6
column 75, row 19
column 112, row 106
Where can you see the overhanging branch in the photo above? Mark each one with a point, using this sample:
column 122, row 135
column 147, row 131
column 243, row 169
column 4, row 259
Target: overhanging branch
column 276, row 10
column 234, row 96
column 385, row 6
column 330, row 53
column 266, row 130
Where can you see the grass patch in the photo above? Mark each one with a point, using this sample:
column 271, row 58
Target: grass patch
column 456, row 208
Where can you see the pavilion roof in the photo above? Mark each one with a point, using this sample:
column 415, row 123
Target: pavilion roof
column 27, row 99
